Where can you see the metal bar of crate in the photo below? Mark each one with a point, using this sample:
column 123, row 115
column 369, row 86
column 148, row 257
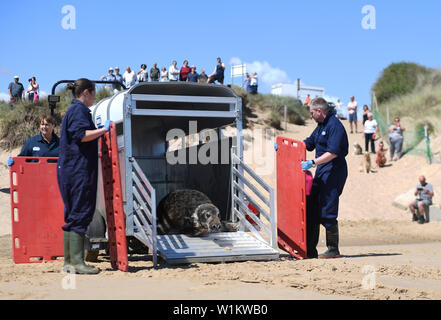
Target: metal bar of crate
column 141, row 189
column 252, row 215
column 189, row 99
column 141, row 182
column 142, row 176
column 257, row 206
column 249, row 185
column 184, row 113
column 252, row 173
column 238, row 206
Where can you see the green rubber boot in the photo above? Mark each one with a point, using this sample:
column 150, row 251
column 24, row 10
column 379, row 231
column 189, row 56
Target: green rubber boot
column 76, row 243
column 66, row 251
column 331, row 243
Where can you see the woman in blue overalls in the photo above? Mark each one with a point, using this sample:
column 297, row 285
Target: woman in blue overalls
column 77, row 173
column 330, row 142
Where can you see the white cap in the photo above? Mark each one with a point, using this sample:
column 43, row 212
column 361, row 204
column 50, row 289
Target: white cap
column 117, row 68
column 110, row 68
column 16, row 77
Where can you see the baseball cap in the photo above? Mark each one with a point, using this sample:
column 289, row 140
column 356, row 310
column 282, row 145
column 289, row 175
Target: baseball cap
column 16, row 77
column 117, row 68
column 110, row 69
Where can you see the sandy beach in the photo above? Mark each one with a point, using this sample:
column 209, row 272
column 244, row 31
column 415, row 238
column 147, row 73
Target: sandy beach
column 385, row 255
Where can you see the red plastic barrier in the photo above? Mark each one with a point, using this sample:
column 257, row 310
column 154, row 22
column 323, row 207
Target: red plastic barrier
column 291, row 197
column 37, row 210
column 116, row 227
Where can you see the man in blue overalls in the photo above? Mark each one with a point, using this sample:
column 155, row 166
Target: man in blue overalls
column 330, row 141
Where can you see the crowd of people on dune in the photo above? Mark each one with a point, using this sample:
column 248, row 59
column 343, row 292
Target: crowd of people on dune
column 129, row 78
column 173, row 73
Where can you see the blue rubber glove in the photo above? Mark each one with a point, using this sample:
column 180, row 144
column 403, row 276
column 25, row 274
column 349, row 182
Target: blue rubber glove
column 306, row 165
column 10, row 161
column 107, row 125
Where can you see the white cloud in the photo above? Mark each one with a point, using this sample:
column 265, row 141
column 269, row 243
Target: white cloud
column 5, row 71
column 331, row 98
column 267, row 74
column 235, row 61
column 4, row 96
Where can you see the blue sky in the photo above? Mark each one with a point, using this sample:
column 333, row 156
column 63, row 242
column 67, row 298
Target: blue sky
column 321, row 42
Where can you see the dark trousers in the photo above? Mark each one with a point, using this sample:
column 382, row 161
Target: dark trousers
column 368, row 137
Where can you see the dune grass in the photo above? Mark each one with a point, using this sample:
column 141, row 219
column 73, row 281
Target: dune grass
column 274, row 105
column 22, row 122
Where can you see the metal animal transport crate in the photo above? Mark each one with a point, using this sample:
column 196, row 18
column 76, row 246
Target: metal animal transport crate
column 178, row 135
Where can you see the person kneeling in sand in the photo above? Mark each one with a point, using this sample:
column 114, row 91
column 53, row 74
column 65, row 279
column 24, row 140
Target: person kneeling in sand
column 381, row 155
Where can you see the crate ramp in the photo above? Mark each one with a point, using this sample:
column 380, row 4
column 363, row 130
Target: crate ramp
column 246, row 244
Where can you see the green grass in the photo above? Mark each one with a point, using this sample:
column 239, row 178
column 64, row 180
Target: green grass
column 399, row 79
column 296, row 112
column 422, row 103
column 17, row 125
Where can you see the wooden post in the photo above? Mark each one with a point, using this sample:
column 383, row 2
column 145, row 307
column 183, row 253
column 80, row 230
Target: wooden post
column 285, row 115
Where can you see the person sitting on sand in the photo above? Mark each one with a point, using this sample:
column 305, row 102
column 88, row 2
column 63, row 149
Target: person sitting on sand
column 381, row 155
column 424, row 193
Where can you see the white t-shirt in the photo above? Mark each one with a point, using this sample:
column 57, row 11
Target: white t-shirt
column 370, row 125
column 253, row 81
column 129, row 78
column 164, row 76
column 172, row 76
column 352, row 105
column 142, row 76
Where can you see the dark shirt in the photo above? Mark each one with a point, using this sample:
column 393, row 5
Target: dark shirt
column 119, row 81
column 219, row 70
column 77, row 158
column 193, row 77
column 16, row 89
column 154, row 74
column 38, row 147
column 203, row 78
column 329, row 136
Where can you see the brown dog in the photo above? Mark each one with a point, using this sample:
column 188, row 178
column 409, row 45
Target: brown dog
column 365, row 165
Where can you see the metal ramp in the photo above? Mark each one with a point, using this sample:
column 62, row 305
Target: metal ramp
column 216, row 247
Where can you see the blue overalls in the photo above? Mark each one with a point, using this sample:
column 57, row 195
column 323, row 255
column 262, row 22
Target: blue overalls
column 329, row 180
column 219, row 75
column 77, row 170
column 38, row 147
